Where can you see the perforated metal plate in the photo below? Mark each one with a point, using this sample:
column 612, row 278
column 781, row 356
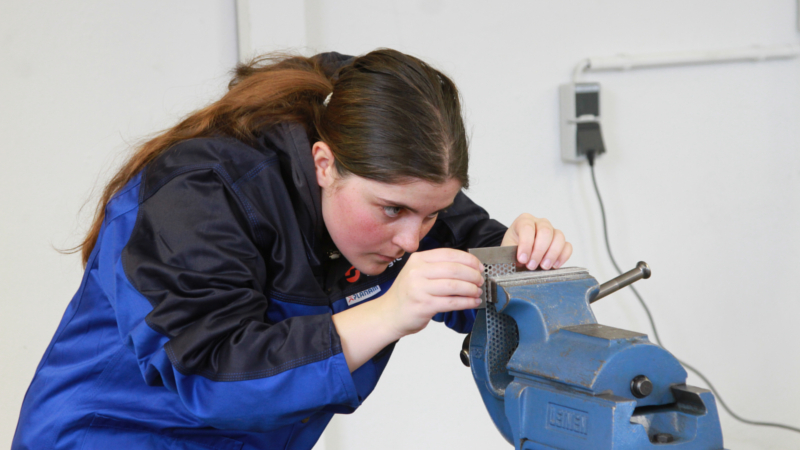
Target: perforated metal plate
column 502, row 339
column 502, row 334
column 497, row 261
column 493, row 270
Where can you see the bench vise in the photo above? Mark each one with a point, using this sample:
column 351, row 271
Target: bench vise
column 551, row 377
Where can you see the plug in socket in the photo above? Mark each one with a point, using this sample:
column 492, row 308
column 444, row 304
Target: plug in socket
column 580, row 121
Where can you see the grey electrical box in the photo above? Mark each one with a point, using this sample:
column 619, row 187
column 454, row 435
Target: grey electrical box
column 580, row 121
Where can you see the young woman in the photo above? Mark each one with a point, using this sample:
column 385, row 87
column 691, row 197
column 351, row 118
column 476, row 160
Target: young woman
column 250, row 269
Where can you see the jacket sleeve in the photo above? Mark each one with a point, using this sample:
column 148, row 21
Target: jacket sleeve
column 191, row 306
column 464, row 225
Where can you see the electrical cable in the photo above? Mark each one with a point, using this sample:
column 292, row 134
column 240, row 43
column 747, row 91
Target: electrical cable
column 590, row 157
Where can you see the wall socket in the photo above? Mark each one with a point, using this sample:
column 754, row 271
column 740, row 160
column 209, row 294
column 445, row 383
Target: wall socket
column 580, row 121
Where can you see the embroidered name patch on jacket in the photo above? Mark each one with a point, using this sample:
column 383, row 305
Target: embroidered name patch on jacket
column 363, row 295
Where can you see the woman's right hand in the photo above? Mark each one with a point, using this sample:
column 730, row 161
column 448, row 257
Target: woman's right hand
column 431, row 282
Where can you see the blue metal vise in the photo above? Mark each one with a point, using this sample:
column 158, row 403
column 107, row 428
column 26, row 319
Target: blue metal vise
column 553, row 378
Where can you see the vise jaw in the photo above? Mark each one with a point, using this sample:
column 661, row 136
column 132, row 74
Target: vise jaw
column 551, row 377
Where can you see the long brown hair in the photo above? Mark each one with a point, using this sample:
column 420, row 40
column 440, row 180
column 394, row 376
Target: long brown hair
column 390, row 118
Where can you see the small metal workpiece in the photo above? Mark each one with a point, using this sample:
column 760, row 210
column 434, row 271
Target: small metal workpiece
column 496, row 261
column 496, row 255
column 642, row 270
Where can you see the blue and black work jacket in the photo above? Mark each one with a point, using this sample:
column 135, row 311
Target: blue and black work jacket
column 203, row 320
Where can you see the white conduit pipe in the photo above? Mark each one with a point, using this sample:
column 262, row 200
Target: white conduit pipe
column 628, row 62
column 243, row 47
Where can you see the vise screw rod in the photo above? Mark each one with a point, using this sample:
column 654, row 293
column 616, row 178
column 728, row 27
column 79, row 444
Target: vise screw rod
column 642, row 270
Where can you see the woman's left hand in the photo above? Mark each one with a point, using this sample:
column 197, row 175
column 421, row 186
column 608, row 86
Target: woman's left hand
column 538, row 243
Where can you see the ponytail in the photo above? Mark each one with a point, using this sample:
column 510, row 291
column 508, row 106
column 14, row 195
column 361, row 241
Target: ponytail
column 391, row 118
column 264, row 92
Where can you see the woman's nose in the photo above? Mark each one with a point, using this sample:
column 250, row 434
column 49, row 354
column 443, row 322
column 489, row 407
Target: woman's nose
column 408, row 237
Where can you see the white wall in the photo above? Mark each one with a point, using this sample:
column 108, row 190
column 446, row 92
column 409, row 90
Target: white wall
column 79, row 82
column 701, row 179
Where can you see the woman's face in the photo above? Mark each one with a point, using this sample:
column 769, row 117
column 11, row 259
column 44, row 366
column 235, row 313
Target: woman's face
column 374, row 223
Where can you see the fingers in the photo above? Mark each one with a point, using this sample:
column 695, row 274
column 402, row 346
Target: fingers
column 565, row 254
column 447, row 304
column 544, row 237
column 451, row 287
column 526, row 233
column 538, row 243
column 554, row 252
column 431, row 282
column 455, row 271
column 453, row 256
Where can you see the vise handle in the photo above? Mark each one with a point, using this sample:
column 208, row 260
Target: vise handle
column 642, row 270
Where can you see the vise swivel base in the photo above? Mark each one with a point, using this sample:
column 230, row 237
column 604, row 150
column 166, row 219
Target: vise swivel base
column 551, row 377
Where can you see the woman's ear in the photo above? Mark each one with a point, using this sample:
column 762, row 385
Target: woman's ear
column 324, row 164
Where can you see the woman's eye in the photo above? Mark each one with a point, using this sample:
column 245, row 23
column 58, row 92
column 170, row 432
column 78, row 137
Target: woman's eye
column 391, row 211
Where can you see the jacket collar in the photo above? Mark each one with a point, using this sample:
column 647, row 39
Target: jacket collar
column 291, row 142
